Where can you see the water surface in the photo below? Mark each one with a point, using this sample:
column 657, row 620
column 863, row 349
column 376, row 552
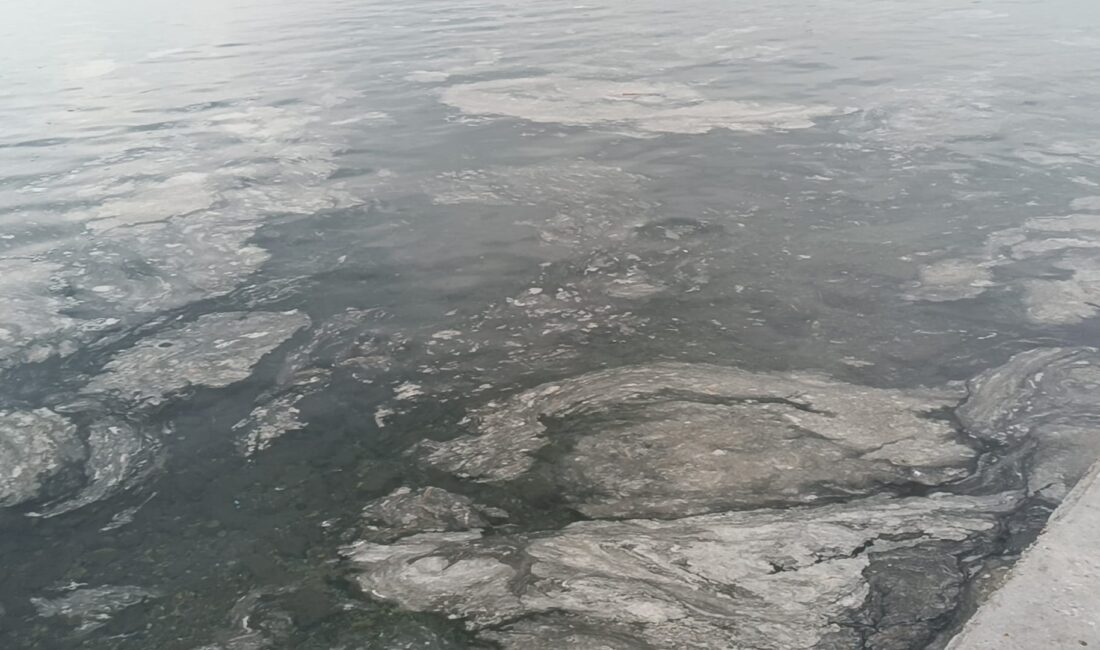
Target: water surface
column 433, row 204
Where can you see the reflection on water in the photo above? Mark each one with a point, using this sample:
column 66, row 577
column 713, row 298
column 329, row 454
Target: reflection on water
column 508, row 266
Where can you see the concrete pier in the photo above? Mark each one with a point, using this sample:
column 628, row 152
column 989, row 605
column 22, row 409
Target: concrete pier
column 1051, row 600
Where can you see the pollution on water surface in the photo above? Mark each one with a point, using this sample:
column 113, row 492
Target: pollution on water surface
column 450, row 324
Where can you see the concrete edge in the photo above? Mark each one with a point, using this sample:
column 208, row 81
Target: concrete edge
column 1051, row 599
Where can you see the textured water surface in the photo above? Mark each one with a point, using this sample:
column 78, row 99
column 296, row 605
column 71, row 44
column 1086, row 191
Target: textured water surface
column 444, row 323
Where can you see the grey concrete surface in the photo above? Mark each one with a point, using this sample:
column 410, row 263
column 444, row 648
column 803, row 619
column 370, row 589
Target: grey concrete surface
column 1051, row 599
